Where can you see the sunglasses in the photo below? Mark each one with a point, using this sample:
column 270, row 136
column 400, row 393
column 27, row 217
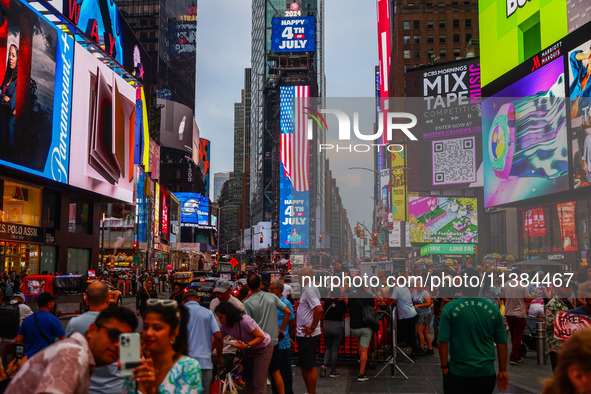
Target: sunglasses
column 112, row 333
column 167, row 303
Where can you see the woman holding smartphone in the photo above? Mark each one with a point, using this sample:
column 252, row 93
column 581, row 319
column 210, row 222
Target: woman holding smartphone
column 254, row 343
column 164, row 336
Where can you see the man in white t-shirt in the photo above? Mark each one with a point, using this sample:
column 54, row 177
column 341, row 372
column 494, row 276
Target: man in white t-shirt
column 308, row 328
column 287, row 291
column 407, row 317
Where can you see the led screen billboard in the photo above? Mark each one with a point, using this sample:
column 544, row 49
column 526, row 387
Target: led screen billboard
column 513, row 31
column 577, row 49
column 194, row 210
column 176, row 127
column 293, row 34
column 101, row 22
column 103, row 117
column 35, row 95
column 204, row 157
column 446, row 99
column 443, row 220
column 294, row 171
column 524, row 133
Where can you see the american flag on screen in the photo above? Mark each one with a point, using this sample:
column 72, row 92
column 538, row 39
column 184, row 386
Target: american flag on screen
column 295, row 147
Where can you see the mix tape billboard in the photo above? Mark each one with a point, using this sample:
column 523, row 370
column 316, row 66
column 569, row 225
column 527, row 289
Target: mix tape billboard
column 449, row 119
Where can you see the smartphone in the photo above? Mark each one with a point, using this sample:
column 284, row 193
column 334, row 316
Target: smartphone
column 129, row 353
column 19, row 351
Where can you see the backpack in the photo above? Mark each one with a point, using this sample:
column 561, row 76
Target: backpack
column 10, row 317
column 370, row 317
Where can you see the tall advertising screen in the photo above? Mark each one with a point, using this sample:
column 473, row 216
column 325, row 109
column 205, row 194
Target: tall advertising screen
column 577, row 51
column 524, row 133
column 293, row 34
column 443, row 220
column 176, row 127
column 513, row 31
column 102, row 22
column 204, row 157
column 294, row 171
column 35, row 100
column 194, row 210
column 103, row 117
column 448, row 104
column 398, row 186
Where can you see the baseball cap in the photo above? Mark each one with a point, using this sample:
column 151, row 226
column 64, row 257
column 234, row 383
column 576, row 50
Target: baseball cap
column 45, row 298
column 190, row 293
column 18, row 295
column 222, row 285
column 584, row 290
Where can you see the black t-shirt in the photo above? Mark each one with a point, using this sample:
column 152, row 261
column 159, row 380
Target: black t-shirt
column 334, row 309
column 358, row 300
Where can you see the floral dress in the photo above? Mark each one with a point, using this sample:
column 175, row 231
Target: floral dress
column 183, row 378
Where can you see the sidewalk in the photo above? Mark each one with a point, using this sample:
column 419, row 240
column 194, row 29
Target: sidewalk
column 423, row 377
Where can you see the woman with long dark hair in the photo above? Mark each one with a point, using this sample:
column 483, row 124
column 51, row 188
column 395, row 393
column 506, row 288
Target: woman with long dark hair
column 254, row 343
column 164, row 337
column 8, row 97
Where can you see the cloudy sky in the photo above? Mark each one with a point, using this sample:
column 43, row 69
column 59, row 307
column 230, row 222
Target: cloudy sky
column 223, row 52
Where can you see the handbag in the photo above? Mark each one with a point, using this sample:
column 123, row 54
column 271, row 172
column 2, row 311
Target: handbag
column 41, row 331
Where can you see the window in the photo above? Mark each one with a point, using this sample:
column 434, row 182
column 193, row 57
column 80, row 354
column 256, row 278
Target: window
column 406, row 39
column 429, row 39
column 456, row 38
column 417, row 54
column 417, row 24
column 411, row 4
column 430, row 53
column 468, row 38
column 416, row 39
column 456, row 53
column 468, row 22
column 442, row 38
column 429, row 24
column 442, row 53
column 80, row 217
column 406, row 67
column 78, row 260
column 441, row 4
column 407, row 54
column 456, row 23
column 442, row 24
column 406, row 25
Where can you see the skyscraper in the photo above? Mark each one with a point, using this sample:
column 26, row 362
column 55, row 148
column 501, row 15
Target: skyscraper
column 168, row 31
column 218, row 180
column 263, row 11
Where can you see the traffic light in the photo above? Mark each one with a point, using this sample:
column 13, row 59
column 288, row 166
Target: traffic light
column 320, row 238
column 362, row 233
column 261, row 238
column 375, row 235
column 356, row 231
column 371, row 242
column 135, row 247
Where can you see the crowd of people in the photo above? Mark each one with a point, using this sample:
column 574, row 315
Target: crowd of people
column 250, row 338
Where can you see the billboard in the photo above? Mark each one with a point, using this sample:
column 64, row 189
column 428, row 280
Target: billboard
column 204, row 164
column 154, row 160
column 395, row 234
column 443, row 220
column 448, row 107
column 578, row 66
column 513, row 31
column 194, row 210
column 294, row 171
column 103, row 116
column 102, row 23
column 182, row 34
column 384, row 46
column 141, row 143
column 524, row 133
column 176, row 127
column 35, row 100
column 398, row 185
column 568, row 231
column 293, row 34
column 165, row 215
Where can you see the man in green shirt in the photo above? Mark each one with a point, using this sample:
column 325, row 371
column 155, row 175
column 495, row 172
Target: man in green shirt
column 468, row 331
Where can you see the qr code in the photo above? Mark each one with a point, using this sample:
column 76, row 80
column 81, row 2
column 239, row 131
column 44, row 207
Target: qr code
column 454, row 161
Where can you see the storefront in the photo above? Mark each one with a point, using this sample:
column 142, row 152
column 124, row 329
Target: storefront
column 20, row 231
column 448, row 254
column 557, row 232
